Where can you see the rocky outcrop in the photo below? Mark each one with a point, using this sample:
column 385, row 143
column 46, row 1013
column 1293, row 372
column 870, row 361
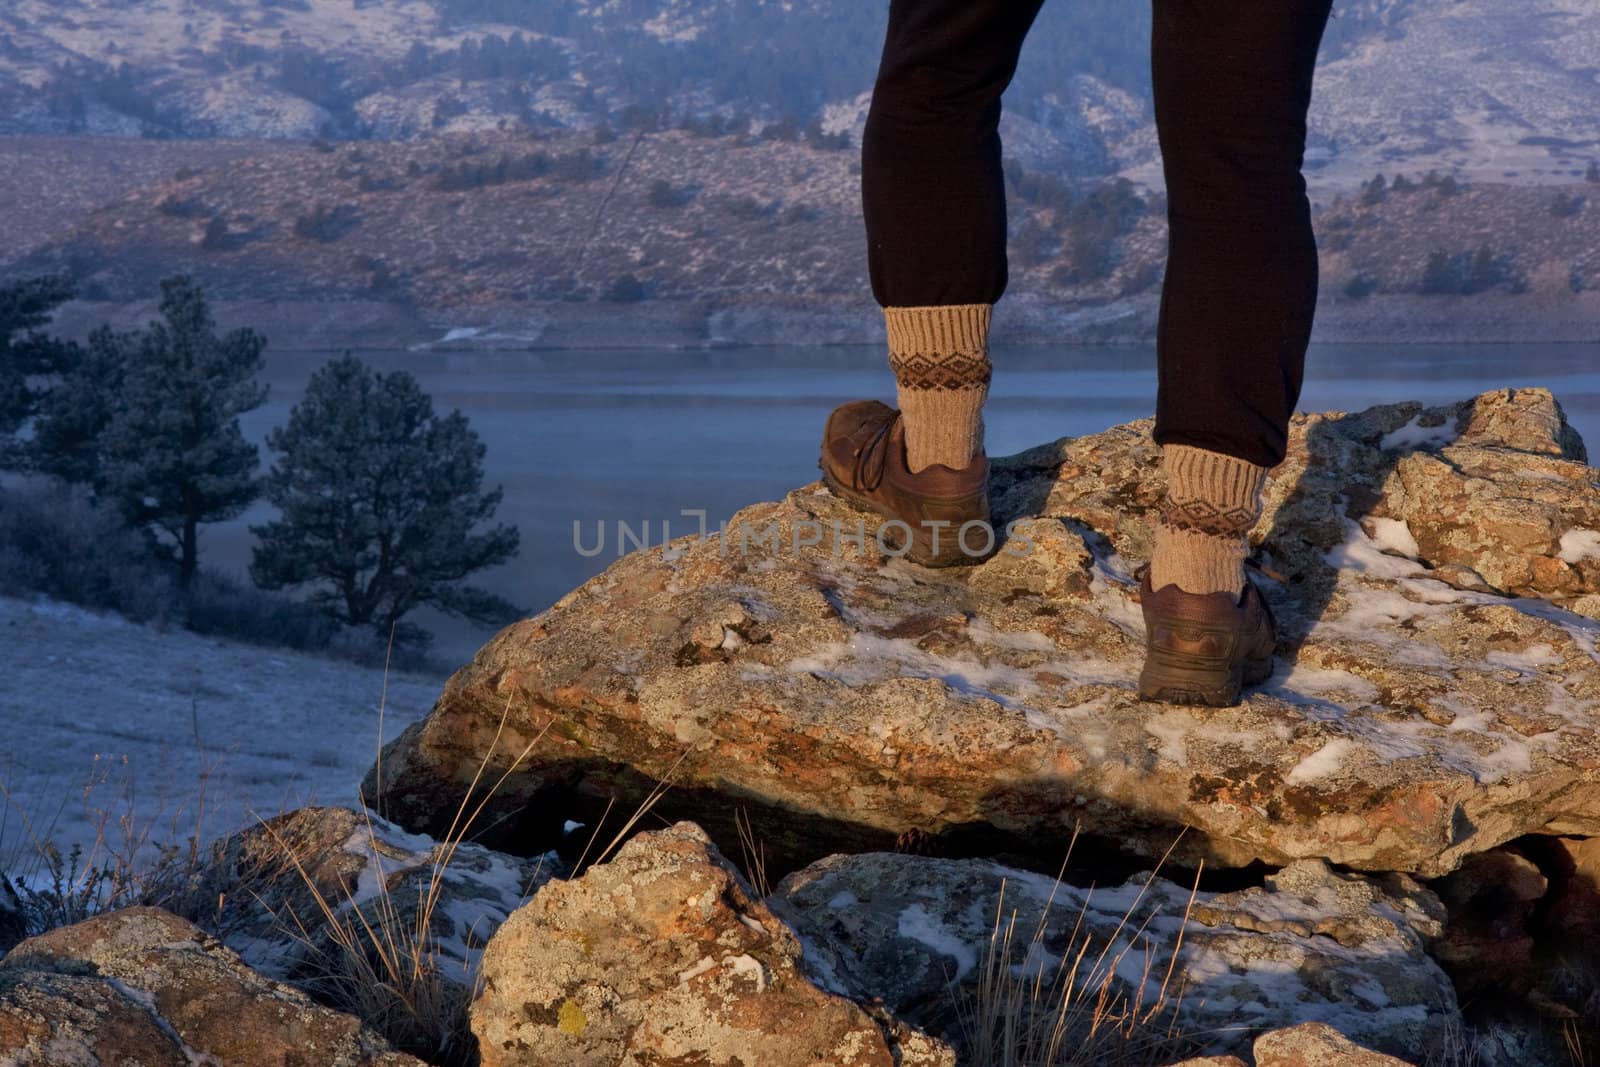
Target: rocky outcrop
column 664, row 955
column 938, row 940
column 144, row 986
column 269, row 878
column 1436, row 694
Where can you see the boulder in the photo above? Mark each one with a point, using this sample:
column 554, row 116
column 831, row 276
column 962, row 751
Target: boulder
column 940, row 939
column 665, row 955
column 1489, row 941
column 1316, row 1045
column 269, row 877
column 1436, row 692
column 1573, row 914
column 144, row 986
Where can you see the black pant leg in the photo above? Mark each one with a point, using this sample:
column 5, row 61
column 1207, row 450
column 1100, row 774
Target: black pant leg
column 932, row 187
column 1232, row 83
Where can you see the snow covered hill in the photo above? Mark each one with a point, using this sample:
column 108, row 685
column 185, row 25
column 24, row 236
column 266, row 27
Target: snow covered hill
column 1487, row 89
column 1476, row 85
column 106, row 720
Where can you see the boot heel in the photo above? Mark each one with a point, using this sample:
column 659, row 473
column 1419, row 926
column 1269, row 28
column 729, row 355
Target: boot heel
column 1178, row 680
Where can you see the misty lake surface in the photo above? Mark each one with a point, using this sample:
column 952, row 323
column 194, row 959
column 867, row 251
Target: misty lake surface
column 640, row 436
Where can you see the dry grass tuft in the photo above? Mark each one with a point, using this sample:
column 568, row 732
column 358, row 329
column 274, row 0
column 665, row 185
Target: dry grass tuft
column 380, row 959
column 156, row 859
column 1082, row 1013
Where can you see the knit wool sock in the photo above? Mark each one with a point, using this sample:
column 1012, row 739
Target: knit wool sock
column 1212, row 501
column 940, row 359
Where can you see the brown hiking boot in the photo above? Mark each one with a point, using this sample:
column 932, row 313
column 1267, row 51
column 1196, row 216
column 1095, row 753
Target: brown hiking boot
column 864, row 462
column 1203, row 648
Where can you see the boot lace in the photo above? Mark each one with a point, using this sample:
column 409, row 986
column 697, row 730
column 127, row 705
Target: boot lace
column 873, row 456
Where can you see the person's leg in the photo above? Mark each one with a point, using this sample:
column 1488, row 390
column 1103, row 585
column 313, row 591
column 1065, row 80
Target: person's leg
column 1232, row 82
column 933, row 194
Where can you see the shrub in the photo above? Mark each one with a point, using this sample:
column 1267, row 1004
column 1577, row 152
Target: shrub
column 748, row 207
column 1565, row 206
column 664, row 194
column 1444, row 185
column 216, row 238
column 801, row 213
column 1360, row 286
column 189, row 207
column 1033, row 243
column 1466, row 273
column 1443, row 274
column 627, row 290
column 580, row 165
column 220, row 606
column 55, row 540
column 817, row 138
column 386, row 184
column 327, row 224
column 1040, row 189
column 785, row 129
column 466, row 176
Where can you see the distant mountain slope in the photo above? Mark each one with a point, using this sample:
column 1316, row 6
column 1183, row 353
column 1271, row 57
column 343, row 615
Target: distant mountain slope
column 505, row 231
column 1476, row 84
column 1491, row 89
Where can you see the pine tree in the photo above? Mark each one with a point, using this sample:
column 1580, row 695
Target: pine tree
column 173, row 455
column 74, row 413
column 26, row 352
column 380, row 498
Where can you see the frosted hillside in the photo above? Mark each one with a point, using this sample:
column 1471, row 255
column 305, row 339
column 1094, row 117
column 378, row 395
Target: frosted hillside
column 102, row 716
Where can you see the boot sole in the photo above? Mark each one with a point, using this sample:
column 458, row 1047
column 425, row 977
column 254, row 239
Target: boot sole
column 914, row 551
column 1183, row 680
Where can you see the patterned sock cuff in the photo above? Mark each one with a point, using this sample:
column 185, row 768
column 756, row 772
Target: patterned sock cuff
column 940, row 359
column 943, row 347
column 1209, row 492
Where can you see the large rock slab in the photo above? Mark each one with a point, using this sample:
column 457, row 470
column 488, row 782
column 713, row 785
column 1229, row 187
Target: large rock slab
column 1436, row 693
column 941, row 939
column 664, row 955
column 142, row 986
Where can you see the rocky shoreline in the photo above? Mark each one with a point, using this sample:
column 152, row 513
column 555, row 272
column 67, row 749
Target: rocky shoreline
column 1020, row 319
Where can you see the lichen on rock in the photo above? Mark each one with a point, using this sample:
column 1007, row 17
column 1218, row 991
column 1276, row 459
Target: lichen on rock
column 665, row 955
column 142, row 985
column 1213, row 969
column 1437, row 690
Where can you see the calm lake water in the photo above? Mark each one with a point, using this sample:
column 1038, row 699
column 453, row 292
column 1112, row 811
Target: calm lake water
column 640, row 436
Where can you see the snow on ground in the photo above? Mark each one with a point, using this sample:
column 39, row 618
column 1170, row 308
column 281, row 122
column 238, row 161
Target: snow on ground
column 102, row 717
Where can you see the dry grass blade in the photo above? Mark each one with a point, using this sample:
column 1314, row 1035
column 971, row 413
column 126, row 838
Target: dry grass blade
column 754, row 853
column 379, row 958
column 1082, row 1010
column 657, row 791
